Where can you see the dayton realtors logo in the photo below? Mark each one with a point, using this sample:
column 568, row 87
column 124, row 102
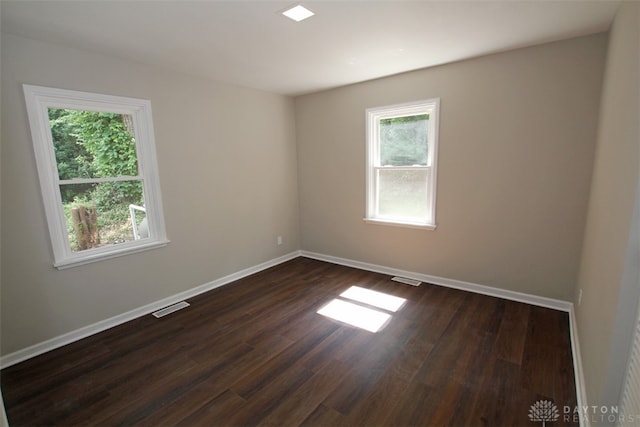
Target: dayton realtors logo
column 598, row 415
column 544, row 410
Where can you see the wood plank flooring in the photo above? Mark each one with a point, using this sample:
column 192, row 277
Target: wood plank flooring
column 255, row 352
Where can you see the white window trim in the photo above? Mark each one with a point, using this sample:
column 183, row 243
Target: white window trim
column 373, row 117
column 38, row 101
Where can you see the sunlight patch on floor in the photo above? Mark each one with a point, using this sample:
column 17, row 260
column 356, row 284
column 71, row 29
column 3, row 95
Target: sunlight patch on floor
column 354, row 313
column 374, row 298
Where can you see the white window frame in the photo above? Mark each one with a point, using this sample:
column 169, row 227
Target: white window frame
column 38, row 101
column 373, row 117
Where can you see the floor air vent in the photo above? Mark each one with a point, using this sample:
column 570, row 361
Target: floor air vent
column 168, row 310
column 406, row 281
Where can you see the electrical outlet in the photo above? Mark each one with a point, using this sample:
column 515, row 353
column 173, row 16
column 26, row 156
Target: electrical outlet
column 279, row 240
column 580, row 297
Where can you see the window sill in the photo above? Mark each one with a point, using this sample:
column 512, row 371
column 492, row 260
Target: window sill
column 400, row 223
column 112, row 252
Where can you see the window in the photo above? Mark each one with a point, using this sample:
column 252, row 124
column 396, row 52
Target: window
column 402, row 148
column 98, row 175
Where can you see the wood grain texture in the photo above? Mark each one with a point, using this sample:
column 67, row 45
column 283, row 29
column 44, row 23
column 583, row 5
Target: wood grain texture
column 256, row 353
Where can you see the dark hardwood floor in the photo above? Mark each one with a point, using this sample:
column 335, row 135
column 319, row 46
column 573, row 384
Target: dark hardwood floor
column 255, row 352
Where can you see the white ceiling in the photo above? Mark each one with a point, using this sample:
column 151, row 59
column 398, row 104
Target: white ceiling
column 250, row 44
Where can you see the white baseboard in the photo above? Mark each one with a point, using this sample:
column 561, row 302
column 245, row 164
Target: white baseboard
column 51, row 344
column 449, row 283
column 581, row 390
column 78, row 334
column 556, row 304
column 3, row 420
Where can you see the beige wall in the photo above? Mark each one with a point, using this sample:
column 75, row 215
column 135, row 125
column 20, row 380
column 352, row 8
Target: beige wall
column 517, row 137
column 518, row 133
column 227, row 160
column 610, row 261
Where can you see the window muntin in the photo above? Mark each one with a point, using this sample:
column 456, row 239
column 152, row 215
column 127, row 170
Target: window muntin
column 401, row 163
column 96, row 157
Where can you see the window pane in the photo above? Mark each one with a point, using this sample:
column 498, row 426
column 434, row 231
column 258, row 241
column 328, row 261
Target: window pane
column 89, row 144
column 402, row 194
column 403, row 141
column 98, row 215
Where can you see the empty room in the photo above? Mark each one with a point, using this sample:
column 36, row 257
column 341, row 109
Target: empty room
column 357, row 213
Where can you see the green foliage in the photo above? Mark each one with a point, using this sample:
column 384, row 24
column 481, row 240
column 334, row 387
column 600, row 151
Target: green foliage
column 106, row 137
column 404, row 140
column 73, row 159
column 114, row 224
column 91, row 144
column 73, row 240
